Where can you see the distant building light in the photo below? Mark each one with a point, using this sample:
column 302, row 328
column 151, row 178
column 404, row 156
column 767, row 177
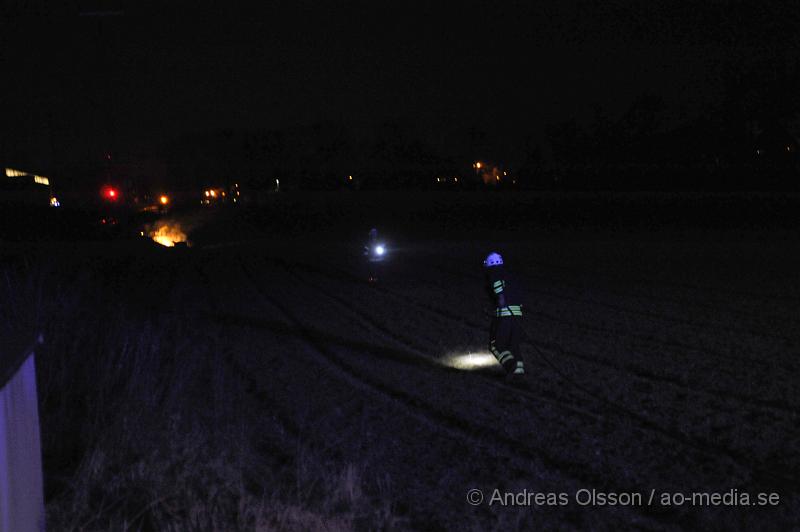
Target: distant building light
column 10, row 172
column 207, row 193
column 349, row 178
column 478, row 165
column 455, row 179
column 13, row 172
column 54, row 202
column 164, row 200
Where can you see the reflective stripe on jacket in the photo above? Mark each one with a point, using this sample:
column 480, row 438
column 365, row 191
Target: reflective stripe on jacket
column 498, row 286
column 510, row 310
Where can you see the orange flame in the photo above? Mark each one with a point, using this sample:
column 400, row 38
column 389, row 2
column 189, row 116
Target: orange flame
column 168, row 234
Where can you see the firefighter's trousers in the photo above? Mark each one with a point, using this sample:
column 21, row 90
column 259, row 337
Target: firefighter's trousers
column 504, row 340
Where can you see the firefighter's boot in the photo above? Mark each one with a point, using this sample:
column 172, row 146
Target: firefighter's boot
column 506, row 360
column 517, row 375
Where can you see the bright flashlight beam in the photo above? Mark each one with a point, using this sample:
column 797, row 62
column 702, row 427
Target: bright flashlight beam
column 471, row 361
column 380, row 250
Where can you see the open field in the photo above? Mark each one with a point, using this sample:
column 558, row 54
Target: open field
column 257, row 382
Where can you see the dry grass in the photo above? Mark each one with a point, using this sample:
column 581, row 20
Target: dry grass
column 144, row 427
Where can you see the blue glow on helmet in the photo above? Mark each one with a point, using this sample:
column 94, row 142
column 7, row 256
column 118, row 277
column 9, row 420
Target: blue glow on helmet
column 494, row 259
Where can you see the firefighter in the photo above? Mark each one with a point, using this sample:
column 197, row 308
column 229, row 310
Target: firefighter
column 374, row 250
column 504, row 332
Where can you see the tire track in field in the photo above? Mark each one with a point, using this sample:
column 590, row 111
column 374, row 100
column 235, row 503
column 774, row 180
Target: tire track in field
column 671, row 344
column 284, row 425
column 438, row 423
column 707, row 450
column 314, row 439
column 430, row 414
column 416, row 352
column 615, row 332
column 632, row 369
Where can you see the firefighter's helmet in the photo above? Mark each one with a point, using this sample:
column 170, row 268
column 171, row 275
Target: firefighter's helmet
column 494, row 259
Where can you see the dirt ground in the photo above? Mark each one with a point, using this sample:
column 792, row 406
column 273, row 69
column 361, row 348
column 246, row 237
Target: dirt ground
column 655, row 368
column 661, row 392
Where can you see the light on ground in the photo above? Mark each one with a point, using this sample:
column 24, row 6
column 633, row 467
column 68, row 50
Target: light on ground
column 471, row 361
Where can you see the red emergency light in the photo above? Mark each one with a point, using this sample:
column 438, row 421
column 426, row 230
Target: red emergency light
column 110, row 193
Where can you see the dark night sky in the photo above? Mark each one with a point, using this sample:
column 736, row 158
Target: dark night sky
column 136, row 80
